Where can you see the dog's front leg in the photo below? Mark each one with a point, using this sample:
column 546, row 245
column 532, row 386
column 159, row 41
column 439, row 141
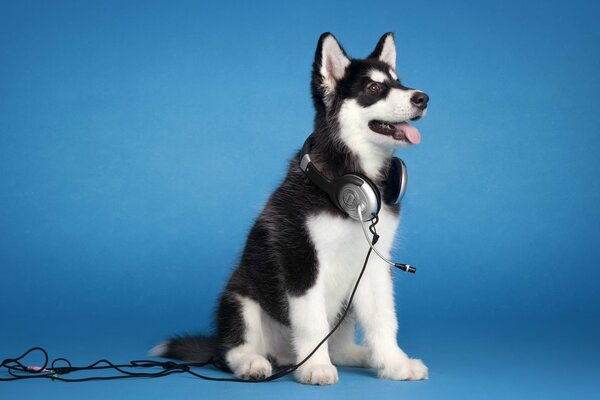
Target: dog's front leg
column 374, row 305
column 308, row 318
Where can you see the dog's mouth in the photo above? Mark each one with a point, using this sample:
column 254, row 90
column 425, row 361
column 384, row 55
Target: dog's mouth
column 401, row 131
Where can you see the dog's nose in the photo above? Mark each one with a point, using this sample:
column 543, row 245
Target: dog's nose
column 420, row 100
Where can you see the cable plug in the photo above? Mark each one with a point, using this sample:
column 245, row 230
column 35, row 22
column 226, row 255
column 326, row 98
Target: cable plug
column 406, row 267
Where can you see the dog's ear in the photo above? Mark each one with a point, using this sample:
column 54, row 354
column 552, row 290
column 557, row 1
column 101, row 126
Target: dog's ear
column 329, row 66
column 386, row 50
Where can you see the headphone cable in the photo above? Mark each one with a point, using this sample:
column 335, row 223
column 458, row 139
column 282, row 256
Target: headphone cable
column 17, row 370
column 403, row 267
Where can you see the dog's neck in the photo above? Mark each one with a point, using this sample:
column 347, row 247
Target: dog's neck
column 336, row 157
column 372, row 159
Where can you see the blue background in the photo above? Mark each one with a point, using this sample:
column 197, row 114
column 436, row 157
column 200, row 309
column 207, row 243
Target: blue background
column 139, row 140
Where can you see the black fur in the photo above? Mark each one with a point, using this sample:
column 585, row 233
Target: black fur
column 191, row 348
column 279, row 258
column 379, row 47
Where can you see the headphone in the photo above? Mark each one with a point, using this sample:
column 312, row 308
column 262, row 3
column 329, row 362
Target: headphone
column 353, row 192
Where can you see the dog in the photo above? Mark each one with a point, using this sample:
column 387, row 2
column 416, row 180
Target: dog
column 303, row 254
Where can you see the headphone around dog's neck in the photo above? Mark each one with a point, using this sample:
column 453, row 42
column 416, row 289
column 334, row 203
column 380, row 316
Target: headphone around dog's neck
column 353, row 191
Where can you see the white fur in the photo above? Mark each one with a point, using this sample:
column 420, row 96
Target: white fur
column 388, row 53
column 278, row 338
column 159, row 350
column 373, row 148
column 343, row 349
column 333, row 64
column 393, row 73
column 249, row 360
column 377, row 76
column 340, row 247
column 263, row 336
column 309, row 322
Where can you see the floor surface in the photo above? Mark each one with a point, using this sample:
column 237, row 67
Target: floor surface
column 466, row 362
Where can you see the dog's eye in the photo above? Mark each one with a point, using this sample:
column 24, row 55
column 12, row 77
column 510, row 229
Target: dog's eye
column 374, row 87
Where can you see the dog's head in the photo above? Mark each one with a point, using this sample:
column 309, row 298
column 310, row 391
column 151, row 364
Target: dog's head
column 364, row 97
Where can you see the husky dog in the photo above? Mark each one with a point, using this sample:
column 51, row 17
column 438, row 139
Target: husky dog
column 303, row 255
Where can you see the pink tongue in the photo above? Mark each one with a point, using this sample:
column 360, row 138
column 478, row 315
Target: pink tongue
column 410, row 132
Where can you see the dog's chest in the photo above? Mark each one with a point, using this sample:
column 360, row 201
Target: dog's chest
column 341, row 249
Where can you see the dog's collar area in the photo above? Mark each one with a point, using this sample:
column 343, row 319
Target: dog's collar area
column 394, row 184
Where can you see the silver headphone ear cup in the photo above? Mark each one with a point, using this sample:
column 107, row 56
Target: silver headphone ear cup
column 351, row 194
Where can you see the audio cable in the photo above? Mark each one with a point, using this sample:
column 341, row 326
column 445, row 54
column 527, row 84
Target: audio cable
column 55, row 371
column 403, row 267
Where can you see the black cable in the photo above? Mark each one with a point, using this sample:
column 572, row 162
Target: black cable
column 19, row 371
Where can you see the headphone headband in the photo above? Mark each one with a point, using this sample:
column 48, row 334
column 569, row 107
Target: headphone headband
column 350, row 190
column 311, row 171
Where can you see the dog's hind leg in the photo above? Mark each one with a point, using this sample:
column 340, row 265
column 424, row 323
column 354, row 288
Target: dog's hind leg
column 241, row 333
column 343, row 349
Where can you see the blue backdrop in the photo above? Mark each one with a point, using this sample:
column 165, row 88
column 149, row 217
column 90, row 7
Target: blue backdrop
column 139, row 140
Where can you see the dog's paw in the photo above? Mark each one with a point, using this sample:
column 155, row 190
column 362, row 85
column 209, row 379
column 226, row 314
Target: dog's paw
column 408, row 370
column 253, row 367
column 317, row 374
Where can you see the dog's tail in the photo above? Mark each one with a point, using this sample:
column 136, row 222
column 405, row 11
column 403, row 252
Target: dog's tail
column 195, row 348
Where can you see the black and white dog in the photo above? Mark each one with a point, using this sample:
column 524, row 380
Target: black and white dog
column 303, row 255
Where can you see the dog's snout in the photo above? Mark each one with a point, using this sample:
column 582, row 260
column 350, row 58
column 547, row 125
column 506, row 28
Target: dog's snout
column 419, row 100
